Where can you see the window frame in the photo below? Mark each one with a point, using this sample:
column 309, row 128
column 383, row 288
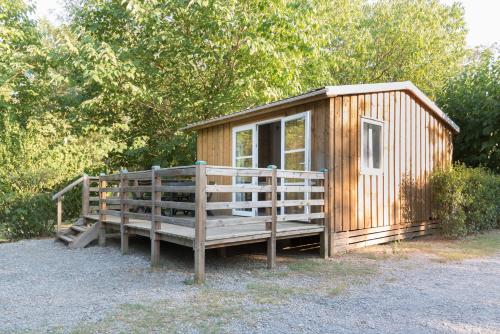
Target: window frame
column 367, row 170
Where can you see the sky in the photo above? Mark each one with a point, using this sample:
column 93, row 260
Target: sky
column 481, row 17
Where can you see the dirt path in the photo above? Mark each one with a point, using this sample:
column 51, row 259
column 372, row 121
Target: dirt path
column 45, row 287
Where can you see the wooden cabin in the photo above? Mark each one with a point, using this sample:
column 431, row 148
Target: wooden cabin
column 379, row 142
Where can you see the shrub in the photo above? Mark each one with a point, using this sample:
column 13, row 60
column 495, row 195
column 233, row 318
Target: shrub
column 466, row 200
column 38, row 159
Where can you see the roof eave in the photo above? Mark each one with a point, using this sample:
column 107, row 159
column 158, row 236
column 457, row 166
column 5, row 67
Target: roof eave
column 332, row 91
column 249, row 112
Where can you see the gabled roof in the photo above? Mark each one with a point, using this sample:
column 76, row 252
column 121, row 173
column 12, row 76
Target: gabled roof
column 331, row 91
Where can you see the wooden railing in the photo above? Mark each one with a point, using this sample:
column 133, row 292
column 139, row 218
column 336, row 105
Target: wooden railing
column 87, row 200
column 207, row 196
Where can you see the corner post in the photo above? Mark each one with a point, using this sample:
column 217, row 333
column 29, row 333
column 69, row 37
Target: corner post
column 124, row 208
column 102, row 209
column 271, row 242
column 325, row 236
column 200, row 222
column 155, row 216
column 59, row 214
column 85, row 194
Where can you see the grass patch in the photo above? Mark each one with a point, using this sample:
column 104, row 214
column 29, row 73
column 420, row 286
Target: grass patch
column 337, row 290
column 342, row 268
column 471, row 247
column 270, row 293
column 334, row 277
column 209, row 311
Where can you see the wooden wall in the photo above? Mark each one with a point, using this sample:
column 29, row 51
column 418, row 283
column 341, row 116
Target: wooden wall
column 416, row 142
column 214, row 143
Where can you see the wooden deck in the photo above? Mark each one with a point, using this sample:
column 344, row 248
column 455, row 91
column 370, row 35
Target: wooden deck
column 222, row 236
column 201, row 207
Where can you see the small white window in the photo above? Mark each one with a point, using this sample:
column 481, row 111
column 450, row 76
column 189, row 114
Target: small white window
column 371, row 146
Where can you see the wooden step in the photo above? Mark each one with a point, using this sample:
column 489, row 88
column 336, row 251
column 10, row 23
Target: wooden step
column 79, row 229
column 65, row 237
column 92, row 217
column 79, row 234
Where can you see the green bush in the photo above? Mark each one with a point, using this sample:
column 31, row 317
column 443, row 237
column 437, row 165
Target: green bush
column 37, row 160
column 466, row 200
column 29, row 217
column 32, row 216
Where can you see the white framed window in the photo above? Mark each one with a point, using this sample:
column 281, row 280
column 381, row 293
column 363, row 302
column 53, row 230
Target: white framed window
column 372, row 146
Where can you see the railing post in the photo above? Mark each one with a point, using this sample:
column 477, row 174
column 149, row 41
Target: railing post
column 325, row 236
column 85, row 195
column 124, row 208
column 271, row 242
column 102, row 208
column 200, row 222
column 155, row 217
column 59, row 213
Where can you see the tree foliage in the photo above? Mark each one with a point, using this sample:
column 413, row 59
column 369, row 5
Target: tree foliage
column 112, row 85
column 472, row 99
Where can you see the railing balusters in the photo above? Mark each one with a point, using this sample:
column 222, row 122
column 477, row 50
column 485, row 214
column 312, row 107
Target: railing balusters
column 325, row 236
column 59, row 213
column 271, row 243
column 200, row 222
column 85, row 195
column 124, row 207
column 155, row 213
column 102, row 208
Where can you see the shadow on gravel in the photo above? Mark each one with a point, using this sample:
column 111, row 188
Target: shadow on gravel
column 176, row 257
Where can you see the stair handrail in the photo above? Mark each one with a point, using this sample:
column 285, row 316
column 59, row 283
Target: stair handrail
column 68, row 187
column 85, row 179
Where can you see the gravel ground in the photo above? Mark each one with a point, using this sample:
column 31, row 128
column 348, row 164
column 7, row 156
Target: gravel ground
column 46, row 287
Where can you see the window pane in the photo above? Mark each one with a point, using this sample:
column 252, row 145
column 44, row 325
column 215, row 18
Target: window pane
column 371, row 150
column 377, row 146
column 244, row 143
column 244, row 197
column 365, row 150
column 294, row 209
column 244, row 162
column 243, row 180
column 295, row 134
column 295, row 160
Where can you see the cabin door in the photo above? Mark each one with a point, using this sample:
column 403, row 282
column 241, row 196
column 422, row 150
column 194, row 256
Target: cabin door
column 295, row 155
column 245, row 155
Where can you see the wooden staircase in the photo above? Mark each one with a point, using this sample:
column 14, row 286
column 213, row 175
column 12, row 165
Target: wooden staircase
column 86, row 228
column 80, row 234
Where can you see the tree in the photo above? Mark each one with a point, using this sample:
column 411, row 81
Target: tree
column 472, row 100
column 159, row 65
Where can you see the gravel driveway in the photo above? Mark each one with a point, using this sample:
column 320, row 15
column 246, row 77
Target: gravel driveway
column 46, row 287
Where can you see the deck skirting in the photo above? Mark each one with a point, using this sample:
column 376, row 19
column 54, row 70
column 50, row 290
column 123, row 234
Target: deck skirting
column 349, row 240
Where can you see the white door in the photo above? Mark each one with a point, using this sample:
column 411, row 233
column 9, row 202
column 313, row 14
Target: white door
column 295, row 155
column 245, row 155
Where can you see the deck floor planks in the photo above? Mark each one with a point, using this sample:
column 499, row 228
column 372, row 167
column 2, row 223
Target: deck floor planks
column 243, row 231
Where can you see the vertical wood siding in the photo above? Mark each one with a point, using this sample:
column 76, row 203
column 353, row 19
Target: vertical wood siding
column 415, row 144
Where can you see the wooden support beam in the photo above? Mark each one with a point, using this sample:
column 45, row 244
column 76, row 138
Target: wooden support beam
column 102, row 208
column 59, row 213
column 124, row 208
column 155, row 212
column 85, row 195
column 325, row 236
column 271, row 242
column 200, row 222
